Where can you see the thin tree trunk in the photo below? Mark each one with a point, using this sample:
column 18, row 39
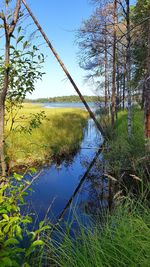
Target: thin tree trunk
column 2, row 154
column 9, row 28
column 65, row 69
column 118, row 88
column 2, row 105
column 114, row 65
column 106, row 69
column 124, row 86
column 147, row 93
column 128, row 63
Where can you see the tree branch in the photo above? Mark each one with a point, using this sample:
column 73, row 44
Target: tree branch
column 15, row 18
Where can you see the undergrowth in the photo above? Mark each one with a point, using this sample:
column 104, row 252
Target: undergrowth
column 127, row 158
column 122, row 241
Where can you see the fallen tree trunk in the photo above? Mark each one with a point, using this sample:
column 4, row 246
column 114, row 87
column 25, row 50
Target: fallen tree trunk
column 64, row 69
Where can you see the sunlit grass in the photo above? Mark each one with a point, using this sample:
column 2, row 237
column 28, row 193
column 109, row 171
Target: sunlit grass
column 122, row 241
column 59, row 134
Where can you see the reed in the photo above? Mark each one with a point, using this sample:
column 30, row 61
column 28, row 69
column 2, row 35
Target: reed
column 59, row 134
column 122, row 241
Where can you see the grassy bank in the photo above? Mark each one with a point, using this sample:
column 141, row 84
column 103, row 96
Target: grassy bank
column 124, row 241
column 54, row 133
column 127, row 159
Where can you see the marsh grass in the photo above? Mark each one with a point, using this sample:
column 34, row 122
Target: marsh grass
column 122, row 241
column 59, row 134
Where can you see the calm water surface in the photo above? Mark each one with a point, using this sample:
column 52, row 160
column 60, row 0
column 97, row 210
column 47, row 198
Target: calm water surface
column 57, row 183
column 68, row 105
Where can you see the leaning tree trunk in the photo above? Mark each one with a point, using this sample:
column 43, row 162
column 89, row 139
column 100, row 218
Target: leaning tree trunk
column 99, row 127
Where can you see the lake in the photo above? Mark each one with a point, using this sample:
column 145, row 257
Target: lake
column 68, row 105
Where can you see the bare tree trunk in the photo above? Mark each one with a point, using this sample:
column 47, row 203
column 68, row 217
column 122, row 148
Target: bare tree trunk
column 106, row 69
column 128, row 65
column 114, row 65
column 65, row 70
column 124, row 86
column 147, row 93
column 117, row 95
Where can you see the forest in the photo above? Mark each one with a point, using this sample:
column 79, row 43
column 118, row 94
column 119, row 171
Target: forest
column 74, row 182
column 70, row 98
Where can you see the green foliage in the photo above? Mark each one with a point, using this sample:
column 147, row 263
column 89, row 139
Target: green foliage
column 16, row 243
column 123, row 149
column 24, row 68
column 122, row 241
column 127, row 158
column 140, row 42
column 64, row 99
column 34, row 122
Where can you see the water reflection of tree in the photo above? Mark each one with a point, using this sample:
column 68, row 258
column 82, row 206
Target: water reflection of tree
column 96, row 189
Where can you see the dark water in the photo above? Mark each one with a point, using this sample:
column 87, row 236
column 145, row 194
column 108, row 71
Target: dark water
column 56, row 184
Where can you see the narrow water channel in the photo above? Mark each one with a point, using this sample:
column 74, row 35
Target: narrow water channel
column 56, row 184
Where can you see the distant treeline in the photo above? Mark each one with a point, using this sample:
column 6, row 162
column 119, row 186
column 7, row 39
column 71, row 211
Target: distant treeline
column 71, row 98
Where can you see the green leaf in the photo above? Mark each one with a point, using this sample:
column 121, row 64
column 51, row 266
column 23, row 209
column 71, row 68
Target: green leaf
column 3, row 211
column 18, row 177
column 46, row 227
column 33, row 170
column 25, row 44
column 19, row 29
column 6, row 229
column 37, row 243
column 5, row 216
column 19, row 232
column 11, row 241
column 41, row 224
column 12, row 47
column 20, row 39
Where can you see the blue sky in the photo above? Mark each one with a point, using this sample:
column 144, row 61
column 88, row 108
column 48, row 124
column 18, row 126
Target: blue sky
column 60, row 20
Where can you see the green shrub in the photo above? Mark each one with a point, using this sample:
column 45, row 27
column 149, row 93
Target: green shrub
column 16, row 243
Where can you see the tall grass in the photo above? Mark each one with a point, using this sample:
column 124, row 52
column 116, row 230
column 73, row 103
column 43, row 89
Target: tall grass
column 123, row 241
column 127, row 158
column 58, row 135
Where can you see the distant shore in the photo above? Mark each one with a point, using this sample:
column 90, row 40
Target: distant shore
column 66, row 99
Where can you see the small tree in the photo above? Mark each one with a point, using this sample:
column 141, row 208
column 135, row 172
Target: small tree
column 19, row 68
